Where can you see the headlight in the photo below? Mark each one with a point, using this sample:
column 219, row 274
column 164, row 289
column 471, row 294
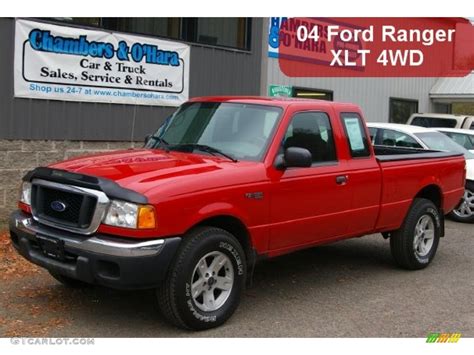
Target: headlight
column 25, row 193
column 130, row 215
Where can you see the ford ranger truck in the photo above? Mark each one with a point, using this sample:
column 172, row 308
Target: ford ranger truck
column 224, row 182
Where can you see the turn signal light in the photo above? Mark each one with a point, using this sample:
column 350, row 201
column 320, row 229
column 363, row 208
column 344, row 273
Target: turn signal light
column 146, row 217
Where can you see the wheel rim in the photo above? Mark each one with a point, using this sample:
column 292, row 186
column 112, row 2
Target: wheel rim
column 212, row 281
column 466, row 207
column 424, row 236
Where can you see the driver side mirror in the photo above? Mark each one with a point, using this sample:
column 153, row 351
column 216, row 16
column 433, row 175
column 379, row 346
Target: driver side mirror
column 294, row 157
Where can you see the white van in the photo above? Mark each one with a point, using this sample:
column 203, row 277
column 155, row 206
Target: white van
column 439, row 120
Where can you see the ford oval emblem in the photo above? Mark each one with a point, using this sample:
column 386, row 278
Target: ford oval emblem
column 58, row 206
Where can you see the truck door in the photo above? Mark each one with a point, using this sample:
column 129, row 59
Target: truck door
column 365, row 177
column 308, row 204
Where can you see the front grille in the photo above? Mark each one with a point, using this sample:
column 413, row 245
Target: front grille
column 72, row 201
column 78, row 208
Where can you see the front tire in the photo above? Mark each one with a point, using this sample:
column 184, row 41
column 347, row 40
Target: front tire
column 464, row 212
column 414, row 245
column 205, row 281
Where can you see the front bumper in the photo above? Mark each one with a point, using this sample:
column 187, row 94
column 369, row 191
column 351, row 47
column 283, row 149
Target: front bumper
column 96, row 259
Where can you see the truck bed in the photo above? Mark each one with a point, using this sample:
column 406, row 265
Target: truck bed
column 404, row 173
column 385, row 153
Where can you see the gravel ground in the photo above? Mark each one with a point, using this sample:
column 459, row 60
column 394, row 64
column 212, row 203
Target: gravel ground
column 348, row 289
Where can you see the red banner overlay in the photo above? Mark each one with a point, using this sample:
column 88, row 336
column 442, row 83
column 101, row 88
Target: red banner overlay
column 375, row 47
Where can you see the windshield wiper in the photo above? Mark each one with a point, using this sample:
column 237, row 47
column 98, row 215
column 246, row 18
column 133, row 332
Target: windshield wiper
column 207, row 149
column 162, row 143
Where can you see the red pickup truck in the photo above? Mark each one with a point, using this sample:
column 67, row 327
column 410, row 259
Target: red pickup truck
column 224, row 182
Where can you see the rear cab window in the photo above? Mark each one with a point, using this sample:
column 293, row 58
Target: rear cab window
column 357, row 139
column 428, row 122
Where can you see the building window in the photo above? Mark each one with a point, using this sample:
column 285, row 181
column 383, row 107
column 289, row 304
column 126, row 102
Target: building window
column 462, row 108
column 232, row 32
column 227, row 32
column 443, row 108
column 85, row 21
column 401, row 109
column 164, row 26
column 316, row 94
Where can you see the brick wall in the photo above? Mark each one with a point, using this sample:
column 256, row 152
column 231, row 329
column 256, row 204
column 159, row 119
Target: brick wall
column 18, row 156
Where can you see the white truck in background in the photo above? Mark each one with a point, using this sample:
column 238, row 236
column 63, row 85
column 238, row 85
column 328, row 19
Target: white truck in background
column 441, row 120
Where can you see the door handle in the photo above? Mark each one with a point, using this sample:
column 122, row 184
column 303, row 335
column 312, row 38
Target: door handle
column 342, row 179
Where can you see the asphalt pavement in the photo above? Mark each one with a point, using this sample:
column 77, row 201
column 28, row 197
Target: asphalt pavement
column 348, row 289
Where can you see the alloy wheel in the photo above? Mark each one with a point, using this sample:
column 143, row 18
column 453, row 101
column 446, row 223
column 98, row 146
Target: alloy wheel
column 212, row 281
column 424, row 235
column 466, row 207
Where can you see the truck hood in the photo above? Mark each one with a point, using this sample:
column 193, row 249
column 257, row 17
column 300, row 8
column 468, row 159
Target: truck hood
column 144, row 169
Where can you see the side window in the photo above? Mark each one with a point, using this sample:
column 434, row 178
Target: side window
column 398, row 139
column 471, row 141
column 312, row 131
column 355, row 133
column 461, row 139
column 373, row 134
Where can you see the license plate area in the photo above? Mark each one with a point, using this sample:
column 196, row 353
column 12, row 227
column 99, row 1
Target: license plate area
column 51, row 247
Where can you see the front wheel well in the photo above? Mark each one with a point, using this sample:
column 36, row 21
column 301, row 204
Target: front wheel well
column 235, row 227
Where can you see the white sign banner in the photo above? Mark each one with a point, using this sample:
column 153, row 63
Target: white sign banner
column 74, row 64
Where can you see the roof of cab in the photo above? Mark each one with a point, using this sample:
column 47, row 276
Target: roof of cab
column 263, row 100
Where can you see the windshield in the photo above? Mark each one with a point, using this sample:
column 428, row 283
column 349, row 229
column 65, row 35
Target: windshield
column 466, row 140
column 241, row 131
column 438, row 141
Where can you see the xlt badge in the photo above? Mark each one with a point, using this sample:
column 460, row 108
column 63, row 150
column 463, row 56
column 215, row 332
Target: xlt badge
column 254, row 195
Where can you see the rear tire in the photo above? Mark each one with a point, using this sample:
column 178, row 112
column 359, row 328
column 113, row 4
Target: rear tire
column 464, row 212
column 205, row 281
column 414, row 245
column 68, row 281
